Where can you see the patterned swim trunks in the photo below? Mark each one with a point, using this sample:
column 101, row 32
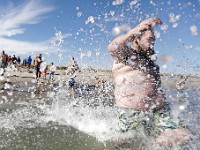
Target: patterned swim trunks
column 153, row 122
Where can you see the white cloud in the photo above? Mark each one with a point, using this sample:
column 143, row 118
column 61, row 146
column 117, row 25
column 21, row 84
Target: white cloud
column 52, row 45
column 15, row 17
column 12, row 20
column 22, row 47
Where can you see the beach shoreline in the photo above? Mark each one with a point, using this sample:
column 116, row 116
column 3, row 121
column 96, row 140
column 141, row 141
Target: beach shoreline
column 92, row 77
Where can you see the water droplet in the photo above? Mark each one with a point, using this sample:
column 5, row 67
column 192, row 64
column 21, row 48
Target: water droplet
column 90, row 19
column 112, row 13
column 117, row 2
column 79, row 14
column 164, row 66
column 164, row 27
column 181, row 107
column 194, row 30
column 157, row 34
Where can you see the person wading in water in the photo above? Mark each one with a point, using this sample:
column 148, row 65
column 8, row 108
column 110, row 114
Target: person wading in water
column 138, row 92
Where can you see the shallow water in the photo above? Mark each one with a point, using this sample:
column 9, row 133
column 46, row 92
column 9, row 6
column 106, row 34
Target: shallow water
column 59, row 119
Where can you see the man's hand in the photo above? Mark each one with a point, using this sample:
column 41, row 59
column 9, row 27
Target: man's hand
column 151, row 22
column 157, row 21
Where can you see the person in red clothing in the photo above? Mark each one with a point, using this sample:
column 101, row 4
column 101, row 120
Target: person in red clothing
column 9, row 60
column 44, row 72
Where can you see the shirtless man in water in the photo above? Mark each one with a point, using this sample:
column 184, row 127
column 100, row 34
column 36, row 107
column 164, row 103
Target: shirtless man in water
column 137, row 79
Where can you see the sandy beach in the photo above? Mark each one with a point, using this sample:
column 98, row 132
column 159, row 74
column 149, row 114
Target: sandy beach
column 91, row 77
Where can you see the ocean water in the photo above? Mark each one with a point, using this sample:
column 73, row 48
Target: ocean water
column 59, row 119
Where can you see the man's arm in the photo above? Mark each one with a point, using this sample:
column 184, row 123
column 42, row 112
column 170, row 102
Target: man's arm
column 147, row 24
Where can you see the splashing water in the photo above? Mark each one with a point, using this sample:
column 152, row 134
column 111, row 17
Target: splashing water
column 117, row 2
column 122, row 29
column 90, row 110
column 164, row 27
column 90, row 19
column 58, row 39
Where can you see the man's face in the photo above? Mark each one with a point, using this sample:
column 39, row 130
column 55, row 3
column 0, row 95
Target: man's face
column 147, row 40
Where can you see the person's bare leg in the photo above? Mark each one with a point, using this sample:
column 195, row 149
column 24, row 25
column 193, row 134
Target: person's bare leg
column 170, row 137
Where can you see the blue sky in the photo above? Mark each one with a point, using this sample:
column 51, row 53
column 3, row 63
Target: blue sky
column 85, row 27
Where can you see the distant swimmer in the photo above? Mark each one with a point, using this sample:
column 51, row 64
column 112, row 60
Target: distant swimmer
column 137, row 83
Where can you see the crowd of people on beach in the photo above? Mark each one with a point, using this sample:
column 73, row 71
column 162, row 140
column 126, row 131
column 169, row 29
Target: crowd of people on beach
column 7, row 60
column 35, row 64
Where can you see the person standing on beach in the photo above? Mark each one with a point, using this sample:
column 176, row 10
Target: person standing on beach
column 3, row 62
column 14, row 60
column 44, row 72
column 72, row 67
column 28, row 62
column 18, row 61
column 37, row 64
column 9, row 60
column 3, row 59
column 138, row 92
column 6, row 60
column 52, row 70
